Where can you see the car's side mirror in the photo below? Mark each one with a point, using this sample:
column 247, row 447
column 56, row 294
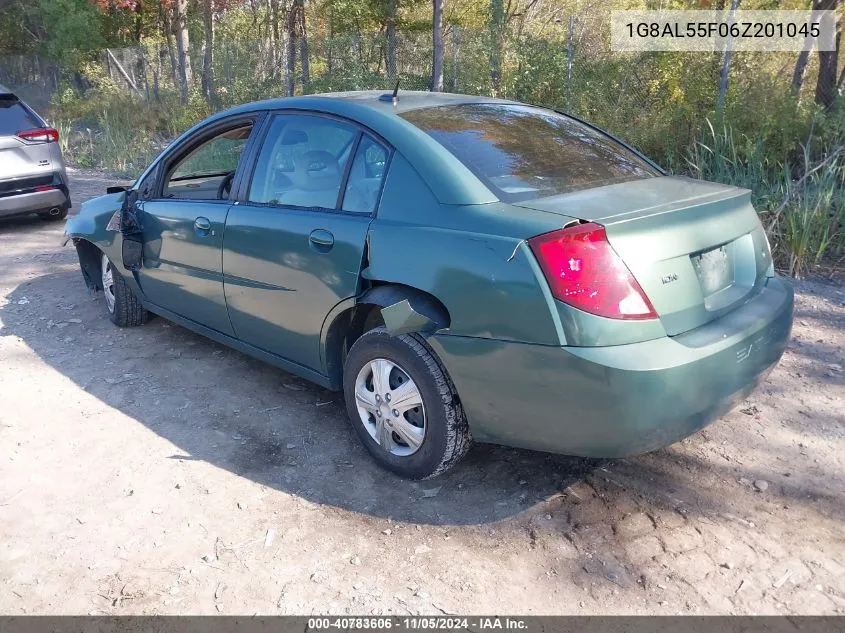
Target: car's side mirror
column 116, row 189
column 133, row 250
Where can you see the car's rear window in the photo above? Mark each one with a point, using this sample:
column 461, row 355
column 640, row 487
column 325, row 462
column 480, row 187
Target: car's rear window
column 14, row 116
column 523, row 152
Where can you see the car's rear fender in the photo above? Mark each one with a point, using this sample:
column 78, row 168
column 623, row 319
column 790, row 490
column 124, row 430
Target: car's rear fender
column 400, row 308
column 472, row 258
column 405, row 309
column 488, row 284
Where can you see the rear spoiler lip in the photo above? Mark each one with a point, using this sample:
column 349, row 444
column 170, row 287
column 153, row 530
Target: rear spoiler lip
column 725, row 192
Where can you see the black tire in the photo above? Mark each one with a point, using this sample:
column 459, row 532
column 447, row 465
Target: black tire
column 128, row 311
column 61, row 215
column 447, row 436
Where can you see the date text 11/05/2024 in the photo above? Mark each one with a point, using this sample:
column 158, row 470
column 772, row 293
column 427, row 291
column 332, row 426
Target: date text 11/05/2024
column 418, row 623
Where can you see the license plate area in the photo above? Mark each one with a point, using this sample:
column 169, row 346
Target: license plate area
column 714, row 268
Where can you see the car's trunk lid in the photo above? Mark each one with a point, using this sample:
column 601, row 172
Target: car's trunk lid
column 696, row 248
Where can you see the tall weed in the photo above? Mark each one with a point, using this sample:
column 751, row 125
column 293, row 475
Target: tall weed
column 802, row 203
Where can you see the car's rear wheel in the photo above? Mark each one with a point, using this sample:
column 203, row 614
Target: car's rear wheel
column 124, row 308
column 403, row 405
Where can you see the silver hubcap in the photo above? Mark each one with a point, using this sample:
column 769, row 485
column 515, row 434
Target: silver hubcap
column 108, row 283
column 390, row 407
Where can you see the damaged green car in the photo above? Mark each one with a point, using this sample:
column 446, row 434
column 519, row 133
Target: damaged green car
column 462, row 268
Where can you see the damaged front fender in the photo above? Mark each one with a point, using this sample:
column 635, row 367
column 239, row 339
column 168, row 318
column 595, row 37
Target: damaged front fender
column 96, row 221
column 89, row 262
column 93, row 231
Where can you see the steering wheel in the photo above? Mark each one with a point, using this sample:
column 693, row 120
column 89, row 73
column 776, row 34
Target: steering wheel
column 225, row 187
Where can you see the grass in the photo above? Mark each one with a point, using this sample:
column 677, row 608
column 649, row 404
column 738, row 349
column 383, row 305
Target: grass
column 801, row 203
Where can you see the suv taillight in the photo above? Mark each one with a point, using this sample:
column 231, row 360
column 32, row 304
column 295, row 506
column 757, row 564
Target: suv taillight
column 585, row 272
column 40, row 135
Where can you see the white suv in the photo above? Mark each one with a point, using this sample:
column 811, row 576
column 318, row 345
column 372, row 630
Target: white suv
column 32, row 171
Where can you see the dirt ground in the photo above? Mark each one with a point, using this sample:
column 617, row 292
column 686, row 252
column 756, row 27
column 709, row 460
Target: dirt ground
column 152, row 471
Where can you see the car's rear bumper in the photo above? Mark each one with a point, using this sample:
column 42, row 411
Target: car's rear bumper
column 33, row 201
column 620, row 400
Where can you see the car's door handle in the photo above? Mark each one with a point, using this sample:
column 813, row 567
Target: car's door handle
column 202, row 224
column 321, row 239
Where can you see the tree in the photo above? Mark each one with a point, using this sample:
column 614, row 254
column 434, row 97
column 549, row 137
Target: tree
column 437, row 41
column 168, row 36
column 496, row 25
column 726, row 69
column 208, row 55
column 801, row 65
column 296, row 34
column 826, row 91
column 276, row 36
column 290, row 51
column 183, row 47
column 304, row 63
column 390, row 56
column 804, row 56
column 58, row 30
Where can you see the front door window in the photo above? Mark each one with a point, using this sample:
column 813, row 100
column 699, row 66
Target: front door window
column 206, row 172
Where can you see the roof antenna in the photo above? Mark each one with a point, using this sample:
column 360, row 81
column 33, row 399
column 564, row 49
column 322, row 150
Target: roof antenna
column 394, row 97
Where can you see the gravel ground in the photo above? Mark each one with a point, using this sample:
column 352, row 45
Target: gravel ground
column 152, row 471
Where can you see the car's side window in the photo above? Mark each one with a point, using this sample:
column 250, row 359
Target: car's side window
column 365, row 177
column 302, row 162
column 206, row 172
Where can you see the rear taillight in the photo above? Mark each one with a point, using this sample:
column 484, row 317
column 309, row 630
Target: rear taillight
column 585, row 272
column 40, row 135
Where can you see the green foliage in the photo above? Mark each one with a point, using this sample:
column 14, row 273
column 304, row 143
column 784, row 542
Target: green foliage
column 118, row 131
column 65, row 31
column 718, row 156
column 802, row 204
column 768, row 138
column 74, row 30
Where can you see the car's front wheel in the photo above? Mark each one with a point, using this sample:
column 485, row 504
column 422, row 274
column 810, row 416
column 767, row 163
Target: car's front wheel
column 124, row 308
column 403, row 405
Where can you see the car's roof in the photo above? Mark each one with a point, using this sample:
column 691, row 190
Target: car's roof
column 375, row 99
column 407, row 99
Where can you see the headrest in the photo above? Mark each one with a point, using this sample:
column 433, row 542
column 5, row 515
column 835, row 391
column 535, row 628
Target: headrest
column 294, row 137
column 316, row 170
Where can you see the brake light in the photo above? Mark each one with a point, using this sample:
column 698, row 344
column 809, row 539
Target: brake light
column 585, row 272
column 40, row 135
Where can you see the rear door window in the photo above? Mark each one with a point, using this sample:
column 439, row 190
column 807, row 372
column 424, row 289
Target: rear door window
column 365, row 177
column 15, row 116
column 302, row 162
column 523, row 152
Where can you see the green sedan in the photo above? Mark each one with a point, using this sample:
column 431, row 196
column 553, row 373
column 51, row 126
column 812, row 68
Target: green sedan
column 462, row 268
